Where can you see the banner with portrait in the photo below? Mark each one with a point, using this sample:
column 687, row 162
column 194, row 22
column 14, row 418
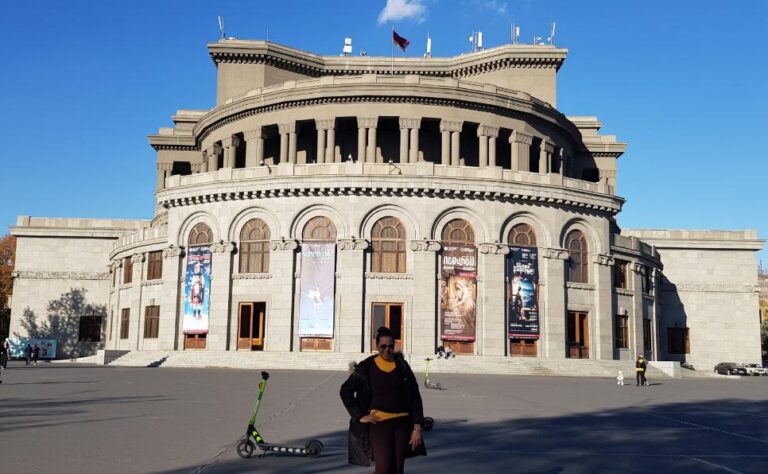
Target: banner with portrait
column 317, row 304
column 458, row 293
column 46, row 347
column 197, row 290
column 522, row 293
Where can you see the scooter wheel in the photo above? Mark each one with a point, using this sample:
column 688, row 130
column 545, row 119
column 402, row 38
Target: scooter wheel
column 428, row 423
column 245, row 448
column 313, row 448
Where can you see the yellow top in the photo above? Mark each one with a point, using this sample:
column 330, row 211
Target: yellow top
column 385, row 366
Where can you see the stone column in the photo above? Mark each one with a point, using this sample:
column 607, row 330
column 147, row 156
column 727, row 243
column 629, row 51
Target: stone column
column 484, row 132
column 230, row 145
column 325, row 140
column 450, row 147
column 521, row 151
column 220, row 314
column 114, row 307
column 636, row 324
column 367, row 127
column 361, row 135
column 493, row 133
column 171, row 300
column 404, row 134
column 552, row 312
column 284, row 138
column 370, row 154
column 135, row 332
column 204, row 164
column 424, row 337
column 545, row 156
column 560, row 158
column 213, row 157
column 163, row 171
column 491, row 321
column 292, row 143
column 602, row 336
column 254, row 147
column 279, row 311
column 350, row 265
column 330, row 152
column 413, row 147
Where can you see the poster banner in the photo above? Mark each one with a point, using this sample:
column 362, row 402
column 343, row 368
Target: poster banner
column 458, row 293
column 18, row 345
column 318, row 267
column 197, row 290
column 523, row 293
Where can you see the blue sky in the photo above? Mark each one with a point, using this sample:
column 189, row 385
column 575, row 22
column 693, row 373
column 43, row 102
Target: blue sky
column 683, row 82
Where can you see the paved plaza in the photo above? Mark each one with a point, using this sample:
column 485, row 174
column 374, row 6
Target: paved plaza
column 70, row 418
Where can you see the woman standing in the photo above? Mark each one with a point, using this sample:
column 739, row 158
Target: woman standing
column 383, row 401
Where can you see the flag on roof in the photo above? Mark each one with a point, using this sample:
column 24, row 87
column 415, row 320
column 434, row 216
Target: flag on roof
column 399, row 41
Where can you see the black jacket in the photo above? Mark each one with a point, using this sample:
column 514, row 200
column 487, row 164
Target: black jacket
column 356, row 395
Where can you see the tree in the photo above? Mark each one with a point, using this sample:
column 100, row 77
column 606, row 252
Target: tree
column 7, row 262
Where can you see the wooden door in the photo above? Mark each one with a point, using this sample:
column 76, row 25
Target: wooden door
column 195, row 341
column 250, row 333
column 523, row 347
column 391, row 316
column 578, row 335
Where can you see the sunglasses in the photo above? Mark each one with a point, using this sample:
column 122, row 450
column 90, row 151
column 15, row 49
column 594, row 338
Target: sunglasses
column 386, row 346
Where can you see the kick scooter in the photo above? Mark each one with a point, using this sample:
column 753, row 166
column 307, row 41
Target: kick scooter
column 428, row 383
column 252, row 439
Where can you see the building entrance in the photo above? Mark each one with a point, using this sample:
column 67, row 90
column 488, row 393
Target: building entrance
column 250, row 333
column 391, row 316
column 578, row 335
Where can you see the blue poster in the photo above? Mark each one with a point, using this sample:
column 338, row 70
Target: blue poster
column 522, row 293
column 318, row 266
column 197, row 290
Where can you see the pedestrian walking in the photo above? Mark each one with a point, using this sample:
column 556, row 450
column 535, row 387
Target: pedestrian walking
column 640, row 366
column 5, row 353
column 620, row 378
column 385, row 409
column 35, row 353
column 28, row 354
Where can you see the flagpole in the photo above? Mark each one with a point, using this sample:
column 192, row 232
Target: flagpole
column 393, row 50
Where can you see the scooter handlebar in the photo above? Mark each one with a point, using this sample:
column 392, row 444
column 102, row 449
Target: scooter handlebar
column 265, row 375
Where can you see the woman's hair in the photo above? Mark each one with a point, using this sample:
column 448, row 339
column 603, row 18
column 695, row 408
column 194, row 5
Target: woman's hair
column 383, row 332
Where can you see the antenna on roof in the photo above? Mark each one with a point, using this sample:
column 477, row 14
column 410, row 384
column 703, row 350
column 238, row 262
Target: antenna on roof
column 514, row 33
column 429, row 47
column 552, row 35
column 347, row 49
column 221, row 27
column 477, row 41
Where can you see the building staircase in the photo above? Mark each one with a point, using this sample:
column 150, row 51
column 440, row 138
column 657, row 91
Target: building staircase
column 341, row 361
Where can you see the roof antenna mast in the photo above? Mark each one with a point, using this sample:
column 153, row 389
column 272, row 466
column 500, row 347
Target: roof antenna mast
column 221, row 27
column 552, row 35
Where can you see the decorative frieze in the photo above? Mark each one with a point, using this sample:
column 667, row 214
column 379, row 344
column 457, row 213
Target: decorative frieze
column 353, row 244
column 425, row 245
column 328, row 124
column 579, row 286
column 622, row 291
column 410, row 123
column 367, row 122
column 639, row 268
column 137, row 258
column 287, row 128
column 152, row 283
column 449, row 126
column 173, row 252
column 33, row 275
column 554, row 253
column 487, row 131
column 495, row 248
column 223, row 247
column 251, row 276
column 519, row 137
column 283, row 245
column 547, row 146
column 388, row 276
column 253, row 134
column 602, row 259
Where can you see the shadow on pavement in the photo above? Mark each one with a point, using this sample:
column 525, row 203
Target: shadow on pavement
column 713, row 436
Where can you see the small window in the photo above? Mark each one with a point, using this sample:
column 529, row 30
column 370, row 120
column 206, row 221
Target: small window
column 620, row 279
column 90, row 329
column 677, row 341
column 254, row 247
column 155, row 265
column 125, row 319
column 622, row 332
column 388, row 239
column 647, row 346
column 151, row 322
column 578, row 251
column 647, row 280
column 200, row 235
column 127, row 270
column 522, row 235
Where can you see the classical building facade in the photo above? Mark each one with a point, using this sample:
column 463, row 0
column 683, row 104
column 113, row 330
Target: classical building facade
column 447, row 198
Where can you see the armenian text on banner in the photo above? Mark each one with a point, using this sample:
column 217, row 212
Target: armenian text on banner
column 318, row 262
column 523, row 293
column 197, row 290
column 458, row 293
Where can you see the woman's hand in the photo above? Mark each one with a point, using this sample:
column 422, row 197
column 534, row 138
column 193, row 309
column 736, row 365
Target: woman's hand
column 370, row 418
column 415, row 437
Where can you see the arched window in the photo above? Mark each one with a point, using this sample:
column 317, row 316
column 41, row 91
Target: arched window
column 254, row 247
column 201, row 235
column 522, row 235
column 578, row 250
column 458, row 231
column 319, row 229
column 388, row 238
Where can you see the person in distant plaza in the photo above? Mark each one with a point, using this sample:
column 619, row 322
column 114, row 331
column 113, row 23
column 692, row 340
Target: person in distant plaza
column 640, row 366
column 5, row 351
column 28, row 354
column 383, row 401
column 35, row 353
column 620, row 378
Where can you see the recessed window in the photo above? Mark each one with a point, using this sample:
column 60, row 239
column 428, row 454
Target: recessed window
column 155, row 265
column 388, row 239
column 620, row 279
column 151, row 322
column 578, row 252
column 125, row 320
column 622, row 332
column 254, row 247
column 127, row 270
column 90, row 329
column 677, row 341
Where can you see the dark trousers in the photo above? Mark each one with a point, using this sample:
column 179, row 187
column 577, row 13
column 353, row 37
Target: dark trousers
column 28, row 358
column 389, row 442
column 640, row 378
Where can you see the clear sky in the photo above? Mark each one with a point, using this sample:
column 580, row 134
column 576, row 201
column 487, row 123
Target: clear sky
column 683, row 82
